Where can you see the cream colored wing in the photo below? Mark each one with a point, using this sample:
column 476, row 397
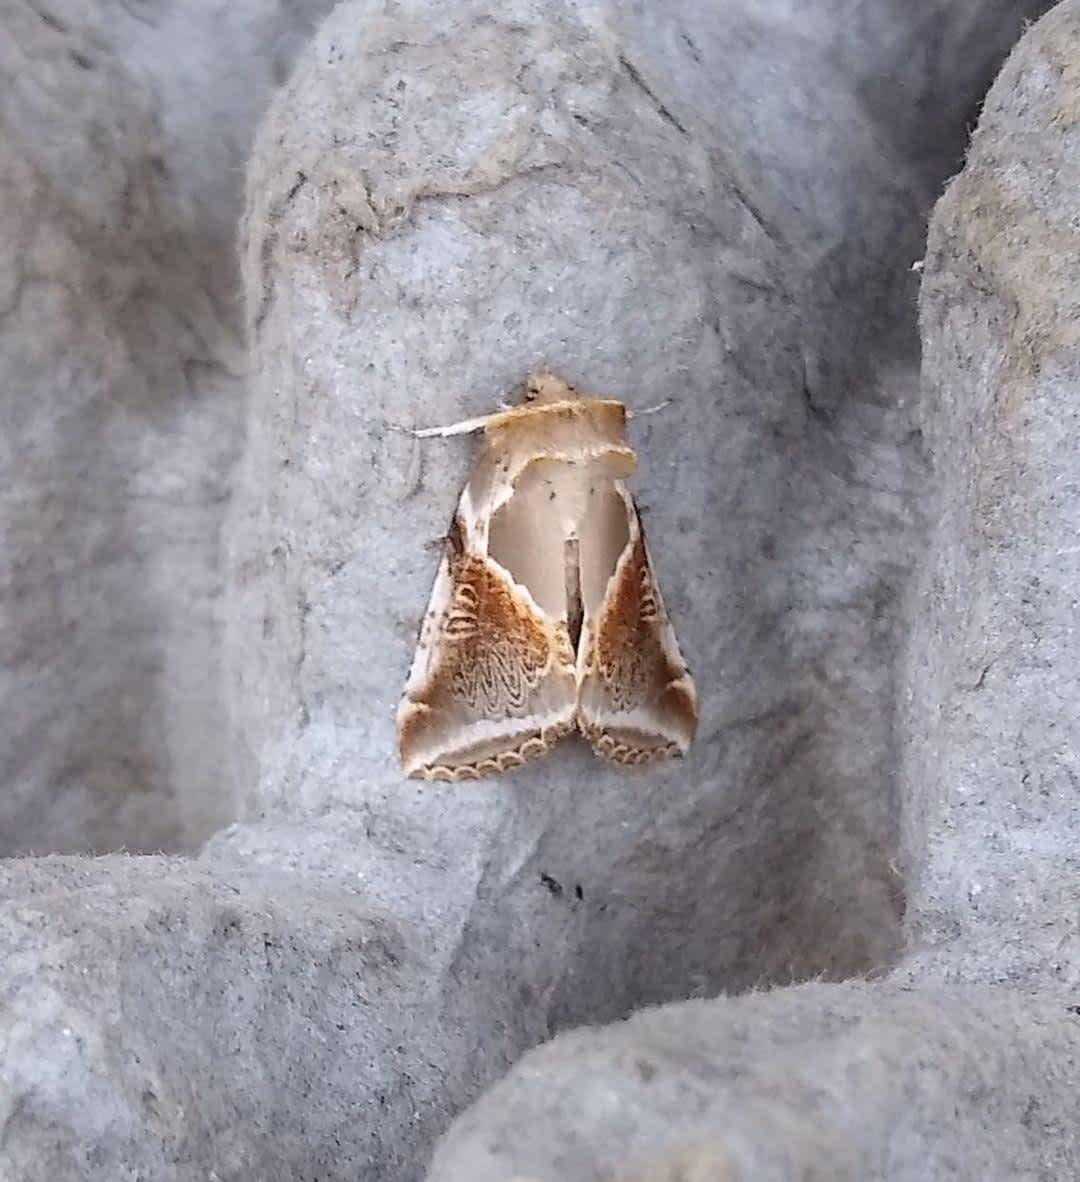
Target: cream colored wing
column 493, row 683
column 636, row 699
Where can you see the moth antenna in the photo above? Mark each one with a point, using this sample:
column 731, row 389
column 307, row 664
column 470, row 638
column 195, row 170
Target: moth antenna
column 649, row 410
column 465, row 427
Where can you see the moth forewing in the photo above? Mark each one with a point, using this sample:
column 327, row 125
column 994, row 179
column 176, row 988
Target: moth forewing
column 636, row 700
column 545, row 613
column 497, row 687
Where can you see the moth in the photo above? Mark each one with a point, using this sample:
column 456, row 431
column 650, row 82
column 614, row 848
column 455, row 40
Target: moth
column 545, row 616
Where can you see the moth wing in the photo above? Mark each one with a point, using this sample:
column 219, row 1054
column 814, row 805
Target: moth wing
column 636, row 699
column 493, row 682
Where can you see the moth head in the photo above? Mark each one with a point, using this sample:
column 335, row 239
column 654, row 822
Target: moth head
column 545, row 387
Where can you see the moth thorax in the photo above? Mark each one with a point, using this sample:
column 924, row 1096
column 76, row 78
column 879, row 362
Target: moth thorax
column 541, row 388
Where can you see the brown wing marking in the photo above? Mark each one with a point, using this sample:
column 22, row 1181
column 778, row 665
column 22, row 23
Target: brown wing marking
column 502, row 690
column 497, row 649
column 637, row 702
